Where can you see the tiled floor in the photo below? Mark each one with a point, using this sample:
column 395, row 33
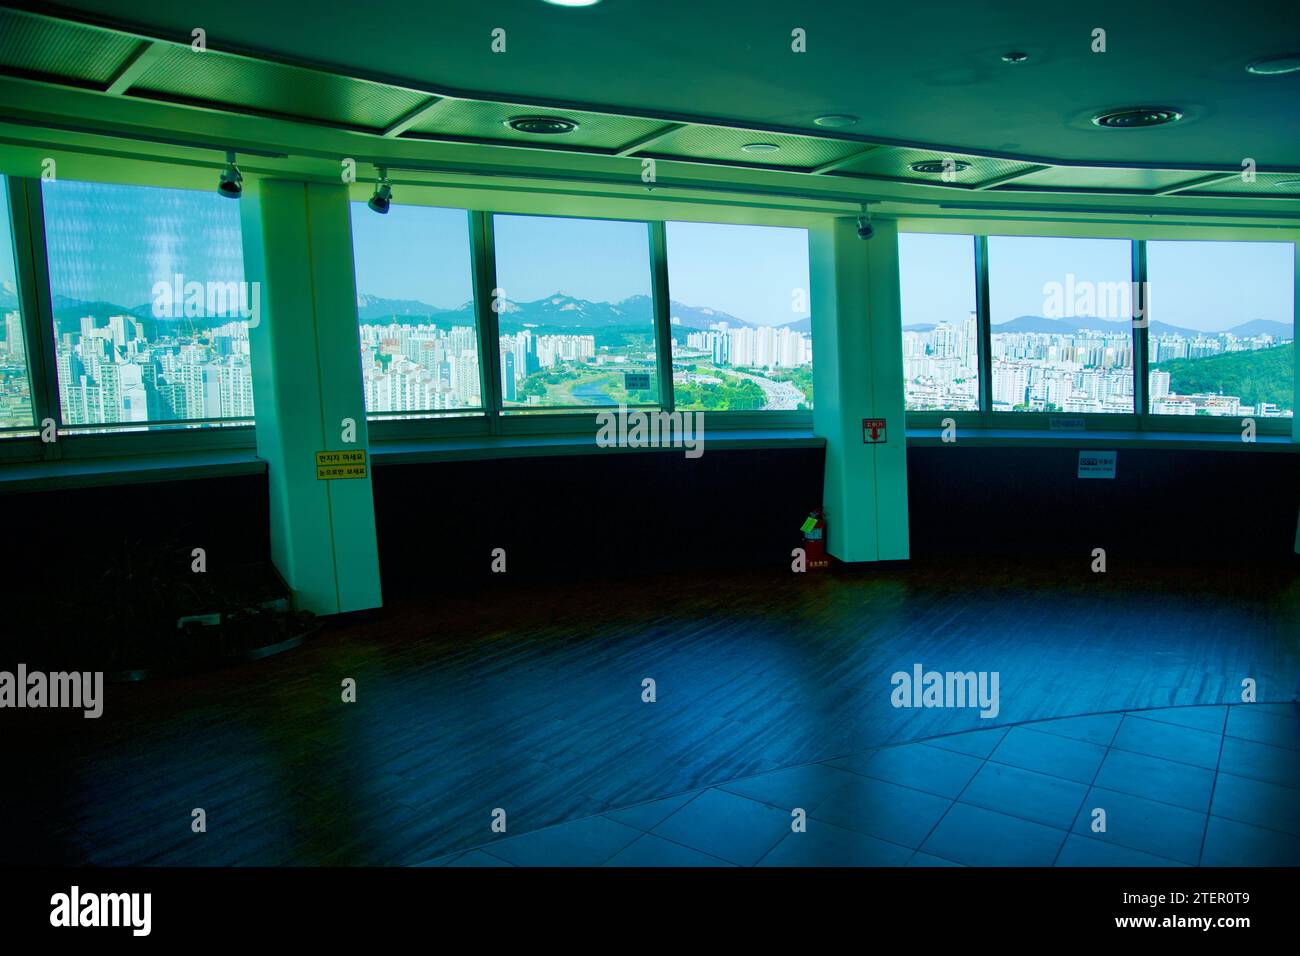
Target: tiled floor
column 1181, row 786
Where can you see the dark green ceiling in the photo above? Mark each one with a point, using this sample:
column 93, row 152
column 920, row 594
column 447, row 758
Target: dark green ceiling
column 46, row 49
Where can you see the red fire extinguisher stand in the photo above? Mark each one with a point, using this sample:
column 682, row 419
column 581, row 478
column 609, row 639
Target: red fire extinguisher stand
column 814, row 541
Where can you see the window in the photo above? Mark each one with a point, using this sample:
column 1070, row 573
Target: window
column 15, row 382
column 1061, row 318
column 151, row 311
column 1222, row 333
column 575, row 319
column 740, row 320
column 415, row 311
column 940, row 328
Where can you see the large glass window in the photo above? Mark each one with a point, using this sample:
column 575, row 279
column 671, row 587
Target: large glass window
column 151, row 311
column 15, row 382
column 415, row 309
column 574, row 313
column 740, row 319
column 1222, row 333
column 1062, row 324
column 941, row 336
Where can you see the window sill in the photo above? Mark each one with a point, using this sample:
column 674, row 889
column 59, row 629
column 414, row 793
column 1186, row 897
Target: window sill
column 1043, row 438
column 541, row 446
column 220, row 463
column 67, row 473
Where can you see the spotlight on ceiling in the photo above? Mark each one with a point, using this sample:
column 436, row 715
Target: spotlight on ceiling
column 1015, row 56
column 836, row 120
column 382, row 200
column 760, row 147
column 231, row 184
column 1273, row 65
column 1288, row 184
column 865, row 229
column 572, row 3
column 1137, row 117
column 545, row 125
column 940, row 166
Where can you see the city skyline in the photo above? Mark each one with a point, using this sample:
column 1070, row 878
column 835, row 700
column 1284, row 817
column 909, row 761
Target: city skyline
column 1077, row 372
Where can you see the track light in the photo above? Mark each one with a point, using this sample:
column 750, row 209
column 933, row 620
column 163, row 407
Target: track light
column 231, row 184
column 865, row 229
column 382, row 200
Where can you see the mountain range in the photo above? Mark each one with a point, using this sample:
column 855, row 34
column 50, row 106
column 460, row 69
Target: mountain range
column 559, row 310
column 1037, row 323
column 556, row 311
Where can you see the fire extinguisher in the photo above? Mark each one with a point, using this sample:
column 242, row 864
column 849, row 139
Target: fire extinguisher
column 814, row 541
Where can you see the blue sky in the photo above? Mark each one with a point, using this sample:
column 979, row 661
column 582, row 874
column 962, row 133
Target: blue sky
column 1207, row 286
column 112, row 243
column 748, row 271
column 1215, row 285
column 414, row 252
column 1019, row 267
column 419, row 252
column 599, row 260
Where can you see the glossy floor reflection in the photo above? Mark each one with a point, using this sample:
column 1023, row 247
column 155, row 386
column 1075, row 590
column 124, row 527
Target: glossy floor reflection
column 1182, row 786
column 528, row 696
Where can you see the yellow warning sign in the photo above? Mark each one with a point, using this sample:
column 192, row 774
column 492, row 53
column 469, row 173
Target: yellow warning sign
column 340, row 464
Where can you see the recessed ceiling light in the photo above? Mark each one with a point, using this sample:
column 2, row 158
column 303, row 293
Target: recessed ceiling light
column 1015, row 56
column 1137, row 117
column 545, row 125
column 940, row 166
column 836, row 120
column 760, row 147
column 1273, row 65
column 572, row 3
column 1288, row 184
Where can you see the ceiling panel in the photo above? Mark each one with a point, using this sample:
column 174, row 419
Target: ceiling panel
column 895, row 163
column 474, row 119
column 31, row 44
column 1265, row 184
column 724, row 144
column 213, row 77
column 1096, row 178
column 915, row 72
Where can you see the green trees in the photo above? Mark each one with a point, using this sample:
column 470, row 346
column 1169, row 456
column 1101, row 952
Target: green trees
column 1263, row 375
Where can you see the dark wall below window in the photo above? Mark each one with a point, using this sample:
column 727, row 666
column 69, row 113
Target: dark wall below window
column 591, row 515
column 1162, row 505
column 67, row 538
column 599, row 516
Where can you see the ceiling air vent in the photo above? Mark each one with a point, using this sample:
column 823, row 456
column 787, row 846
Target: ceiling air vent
column 1137, row 117
column 546, row 125
column 939, row 166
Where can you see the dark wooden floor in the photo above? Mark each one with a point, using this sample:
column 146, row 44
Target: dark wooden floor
column 528, row 697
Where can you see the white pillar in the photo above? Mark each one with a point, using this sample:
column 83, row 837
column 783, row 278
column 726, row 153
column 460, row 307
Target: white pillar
column 858, row 374
column 306, row 387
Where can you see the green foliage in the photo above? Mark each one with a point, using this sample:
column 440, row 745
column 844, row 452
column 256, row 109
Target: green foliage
column 1264, row 375
column 732, row 396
